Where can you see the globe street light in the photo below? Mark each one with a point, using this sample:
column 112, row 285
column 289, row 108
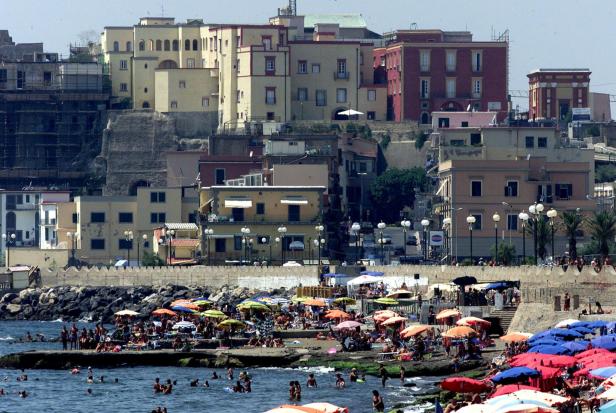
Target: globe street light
column 381, row 226
column 496, row 218
column 319, row 229
column 470, row 220
column 535, row 210
column 209, row 232
column 447, row 228
column 245, row 233
column 406, row 224
column 356, row 228
column 282, row 231
column 552, row 215
column 128, row 237
column 425, row 223
column 523, row 216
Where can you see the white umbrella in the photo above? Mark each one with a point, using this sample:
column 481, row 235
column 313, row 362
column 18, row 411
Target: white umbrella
column 349, row 112
column 184, row 324
column 565, row 323
column 364, row 279
column 127, row 313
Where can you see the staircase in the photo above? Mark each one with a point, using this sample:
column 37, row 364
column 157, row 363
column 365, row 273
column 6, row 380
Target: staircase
column 505, row 315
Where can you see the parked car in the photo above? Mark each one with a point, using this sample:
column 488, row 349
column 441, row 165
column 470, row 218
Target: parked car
column 411, row 240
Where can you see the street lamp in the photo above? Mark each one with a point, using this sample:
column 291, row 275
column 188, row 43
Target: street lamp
column 470, row 220
column 128, row 237
column 406, row 224
column 496, row 218
column 277, row 241
column 282, row 231
column 319, row 229
column 356, row 229
column 425, row 223
column 447, row 228
column 265, row 241
column 535, row 210
column 245, row 232
column 523, row 216
column 551, row 215
column 144, row 237
column 381, row 226
column 209, row 232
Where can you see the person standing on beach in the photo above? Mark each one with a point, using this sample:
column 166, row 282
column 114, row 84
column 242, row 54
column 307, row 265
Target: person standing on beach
column 383, row 375
column 377, row 402
column 64, row 338
column 73, row 337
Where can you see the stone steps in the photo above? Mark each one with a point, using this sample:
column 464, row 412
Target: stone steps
column 505, row 315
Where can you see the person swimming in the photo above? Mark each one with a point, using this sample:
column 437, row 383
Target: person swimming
column 102, row 379
column 238, row 388
column 340, row 384
column 312, row 382
column 353, row 375
column 90, row 379
column 194, row 383
column 158, row 388
column 229, row 373
column 168, row 388
column 89, row 392
column 206, row 384
column 214, row 376
column 247, row 384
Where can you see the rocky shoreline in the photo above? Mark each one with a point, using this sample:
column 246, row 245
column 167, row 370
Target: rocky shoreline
column 100, row 303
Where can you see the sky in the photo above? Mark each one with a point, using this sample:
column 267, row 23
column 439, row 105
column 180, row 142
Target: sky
column 543, row 33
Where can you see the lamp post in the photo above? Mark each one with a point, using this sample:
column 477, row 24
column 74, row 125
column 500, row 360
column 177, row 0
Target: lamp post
column 381, row 226
column 356, row 229
column 496, row 218
column 535, row 210
column 406, row 224
column 425, row 223
column 447, row 228
column 523, row 216
column 268, row 242
column 551, row 215
column 145, row 240
column 319, row 229
column 277, row 241
column 470, row 220
column 245, row 233
column 128, row 237
column 282, row 231
column 209, row 232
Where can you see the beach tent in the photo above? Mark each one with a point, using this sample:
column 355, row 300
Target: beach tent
column 363, row 280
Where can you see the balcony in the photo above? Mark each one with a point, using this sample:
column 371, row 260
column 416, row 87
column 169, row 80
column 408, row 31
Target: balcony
column 48, row 222
column 342, row 75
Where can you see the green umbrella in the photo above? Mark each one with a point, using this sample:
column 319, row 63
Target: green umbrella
column 345, row 300
column 213, row 314
column 231, row 323
column 386, row 301
column 201, row 303
column 253, row 305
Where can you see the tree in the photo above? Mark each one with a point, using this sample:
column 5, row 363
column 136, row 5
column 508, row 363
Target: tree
column 572, row 221
column 506, row 253
column 420, row 139
column 605, row 173
column 394, row 190
column 151, row 260
column 602, row 228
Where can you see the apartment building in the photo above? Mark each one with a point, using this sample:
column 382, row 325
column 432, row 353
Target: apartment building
column 553, row 93
column 435, row 70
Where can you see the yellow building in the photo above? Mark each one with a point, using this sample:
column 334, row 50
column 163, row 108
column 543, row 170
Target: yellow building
column 261, row 223
column 177, row 243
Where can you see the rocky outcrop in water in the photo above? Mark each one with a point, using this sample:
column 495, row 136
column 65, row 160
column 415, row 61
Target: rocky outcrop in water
column 100, row 303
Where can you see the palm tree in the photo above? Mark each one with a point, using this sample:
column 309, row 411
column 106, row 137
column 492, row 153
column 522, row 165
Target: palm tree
column 572, row 221
column 602, row 227
column 544, row 232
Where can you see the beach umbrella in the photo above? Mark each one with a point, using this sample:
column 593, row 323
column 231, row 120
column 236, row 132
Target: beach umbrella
column 566, row 323
column 606, row 342
column 386, row 301
column 476, row 408
column 181, row 302
column 583, row 330
column 576, row 346
column 603, row 372
column 182, row 309
column 297, row 299
column 372, row 273
column 558, row 349
column 350, row 112
column 213, row 314
column 314, row 302
column 451, row 312
column 231, row 323
column 529, row 395
column 286, row 408
column 337, row 314
column 460, row 332
column 253, row 305
column 202, row 303
column 414, row 330
column 129, row 313
column 327, row 408
column 511, row 388
column 473, row 321
column 513, row 404
column 400, row 294
column 592, row 352
column 464, row 385
column 465, row 280
column 395, row 320
column 609, row 394
column 164, row 311
column 383, row 315
column 608, row 407
column 184, row 324
column 364, row 279
column 515, row 337
column 345, row 300
column 597, row 324
column 514, row 375
column 557, row 332
column 547, row 342
column 535, row 359
column 348, row 325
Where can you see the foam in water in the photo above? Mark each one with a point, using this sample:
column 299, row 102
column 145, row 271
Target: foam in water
column 7, row 338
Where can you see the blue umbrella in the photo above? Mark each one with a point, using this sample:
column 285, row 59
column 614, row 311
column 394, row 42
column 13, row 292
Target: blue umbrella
column 611, row 325
column 597, row 324
column 335, row 275
column 576, row 346
column 549, row 350
column 373, row 273
column 497, row 285
column 547, row 341
column 608, row 407
column 606, row 342
column 604, row 372
column 561, row 332
column 514, row 375
column 182, row 309
column 579, row 324
column 583, row 330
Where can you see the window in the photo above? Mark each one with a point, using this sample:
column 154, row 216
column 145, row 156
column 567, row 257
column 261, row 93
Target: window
column 530, row 141
column 97, row 244
column 341, row 68
column 456, row 142
column 167, row 45
column 476, row 188
column 475, row 138
column 123, row 87
column 266, row 41
column 186, row 45
column 145, row 90
column 302, row 67
column 97, row 217
column 477, row 61
column 451, row 60
column 124, row 244
column 237, row 242
column 563, row 191
column 371, row 115
column 512, row 222
column 190, row 63
column 220, row 245
column 175, row 45
column 174, row 104
column 451, row 88
column 141, row 45
column 316, row 68
column 270, row 95
column 219, row 176
column 237, row 96
column 238, row 41
column 75, row 218
column 371, row 95
column 260, row 208
column 182, row 84
column 321, row 97
column 477, row 88
column 116, row 46
column 424, row 88
column 424, row 60
column 477, row 226
column 158, row 218
column 125, row 217
column 237, row 214
column 159, row 45
column 158, row 197
column 511, row 189
column 123, row 64
column 195, row 44
column 205, row 102
column 465, row 125
column 341, row 95
column 302, row 94
column 270, row 65
column 237, row 65
column 294, row 213
column 542, row 142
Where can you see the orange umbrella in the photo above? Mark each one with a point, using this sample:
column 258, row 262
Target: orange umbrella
column 327, row 407
column 472, row 321
column 181, row 302
column 337, row 314
column 313, row 302
column 164, row 311
column 412, row 331
column 460, row 332
column 516, row 337
column 452, row 312
column 384, row 315
column 286, row 408
column 395, row 320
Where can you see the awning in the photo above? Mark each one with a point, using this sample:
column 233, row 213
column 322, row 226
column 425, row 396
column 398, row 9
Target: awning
column 294, row 201
column 238, row 203
column 221, row 236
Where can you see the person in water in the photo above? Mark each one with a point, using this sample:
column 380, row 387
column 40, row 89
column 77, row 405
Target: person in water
column 194, row 383
column 229, row 373
column 383, row 375
column 298, row 391
column 247, row 384
column 340, row 384
column 377, row 401
column 402, row 374
column 158, row 388
column 168, row 388
column 214, row 375
column 206, row 384
column 353, row 376
column 238, row 388
column 312, row 382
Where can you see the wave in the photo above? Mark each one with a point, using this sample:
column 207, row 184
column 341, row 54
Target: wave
column 7, row 338
column 59, row 320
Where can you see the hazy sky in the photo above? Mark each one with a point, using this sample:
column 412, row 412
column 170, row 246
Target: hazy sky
column 543, row 33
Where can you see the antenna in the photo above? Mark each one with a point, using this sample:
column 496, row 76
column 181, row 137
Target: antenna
column 162, row 9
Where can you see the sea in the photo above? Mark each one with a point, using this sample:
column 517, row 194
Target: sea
column 60, row 391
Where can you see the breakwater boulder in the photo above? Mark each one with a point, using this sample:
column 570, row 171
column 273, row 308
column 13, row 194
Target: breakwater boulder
column 100, row 303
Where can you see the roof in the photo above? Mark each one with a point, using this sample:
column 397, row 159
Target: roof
column 185, row 242
column 359, row 146
column 355, row 21
column 560, row 70
column 181, row 226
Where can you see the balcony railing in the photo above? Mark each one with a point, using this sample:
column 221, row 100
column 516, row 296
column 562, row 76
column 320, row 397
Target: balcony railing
column 342, row 75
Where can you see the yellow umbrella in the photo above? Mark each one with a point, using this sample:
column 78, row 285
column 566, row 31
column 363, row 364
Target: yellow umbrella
column 202, row 303
column 345, row 300
column 231, row 323
column 253, row 305
column 395, row 320
column 297, row 299
column 452, row 312
column 386, row 301
column 213, row 314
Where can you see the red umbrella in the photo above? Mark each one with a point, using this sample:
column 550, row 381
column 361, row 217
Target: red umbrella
column 548, row 372
column 464, row 385
column 510, row 388
column 591, row 352
column 533, row 360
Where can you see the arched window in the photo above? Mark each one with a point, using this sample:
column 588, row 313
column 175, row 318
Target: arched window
column 129, row 46
column 425, row 118
column 176, row 45
column 116, row 46
column 168, row 64
column 145, row 105
column 186, row 44
column 167, row 45
column 195, row 44
column 11, row 221
column 151, row 45
column 159, row 45
column 141, row 45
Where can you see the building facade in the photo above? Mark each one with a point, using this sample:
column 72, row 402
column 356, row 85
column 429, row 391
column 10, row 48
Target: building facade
column 553, row 93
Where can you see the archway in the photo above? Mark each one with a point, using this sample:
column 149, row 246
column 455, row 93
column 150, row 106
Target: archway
column 168, row 64
column 145, row 105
